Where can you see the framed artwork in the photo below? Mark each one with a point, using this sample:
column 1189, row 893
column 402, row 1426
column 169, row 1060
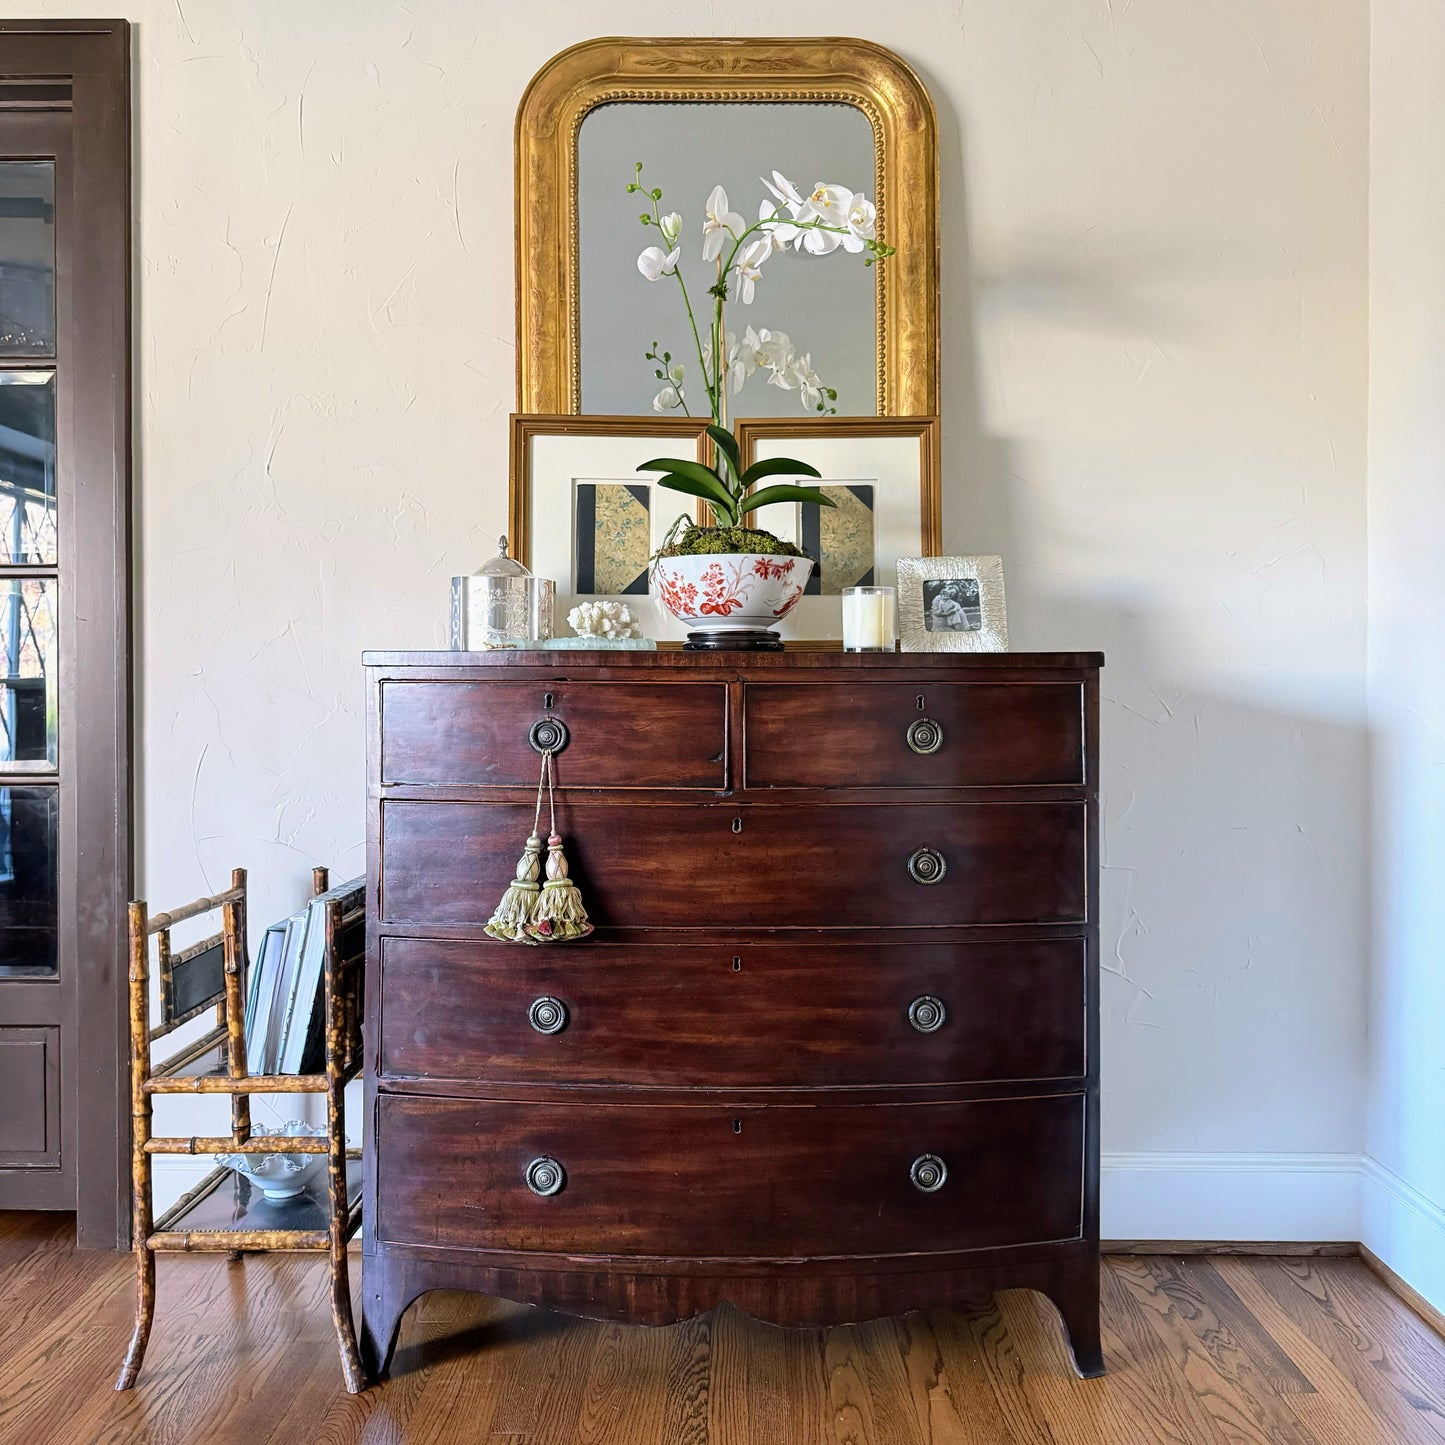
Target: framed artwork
column 951, row 604
column 583, row 515
column 882, row 476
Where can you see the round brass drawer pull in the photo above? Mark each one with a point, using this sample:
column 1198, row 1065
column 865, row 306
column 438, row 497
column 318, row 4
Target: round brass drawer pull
column 926, row 865
column 927, row 1013
column 929, row 1173
column 546, row 1176
column 547, row 1015
column 548, row 735
column 925, row 735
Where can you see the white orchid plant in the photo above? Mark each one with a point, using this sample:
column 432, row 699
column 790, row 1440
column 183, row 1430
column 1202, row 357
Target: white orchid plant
column 829, row 218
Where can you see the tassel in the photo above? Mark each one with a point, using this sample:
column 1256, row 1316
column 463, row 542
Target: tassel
column 519, row 903
column 559, row 916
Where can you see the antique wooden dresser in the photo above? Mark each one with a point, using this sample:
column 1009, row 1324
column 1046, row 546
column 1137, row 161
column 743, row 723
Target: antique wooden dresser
column 832, row 1052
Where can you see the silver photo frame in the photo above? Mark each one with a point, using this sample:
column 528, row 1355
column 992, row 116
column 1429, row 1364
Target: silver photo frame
column 951, row 604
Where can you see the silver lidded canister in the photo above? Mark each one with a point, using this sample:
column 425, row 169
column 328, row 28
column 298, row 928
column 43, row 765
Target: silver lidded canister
column 501, row 605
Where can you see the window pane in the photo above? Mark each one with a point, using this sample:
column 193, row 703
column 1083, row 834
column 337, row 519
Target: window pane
column 27, row 466
column 28, row 825
column 27, row 258
column 27, row 674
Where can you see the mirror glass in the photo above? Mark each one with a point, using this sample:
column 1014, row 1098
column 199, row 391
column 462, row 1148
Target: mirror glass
column 825, row 305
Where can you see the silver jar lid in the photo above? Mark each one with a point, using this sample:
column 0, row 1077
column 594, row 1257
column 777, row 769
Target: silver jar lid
column 502, row 565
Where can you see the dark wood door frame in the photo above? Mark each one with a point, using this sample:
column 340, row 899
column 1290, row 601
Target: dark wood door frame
column 39, row 61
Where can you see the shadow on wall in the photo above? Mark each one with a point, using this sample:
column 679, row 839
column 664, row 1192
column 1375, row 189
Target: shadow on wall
column 1232, row 911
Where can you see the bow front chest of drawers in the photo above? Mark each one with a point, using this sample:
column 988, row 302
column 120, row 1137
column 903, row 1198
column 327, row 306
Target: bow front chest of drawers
column 832, row 1051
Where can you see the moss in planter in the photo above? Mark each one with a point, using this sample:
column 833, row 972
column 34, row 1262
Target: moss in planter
column 701, row 541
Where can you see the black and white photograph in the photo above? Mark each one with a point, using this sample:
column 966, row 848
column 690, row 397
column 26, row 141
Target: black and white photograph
column 952, row 604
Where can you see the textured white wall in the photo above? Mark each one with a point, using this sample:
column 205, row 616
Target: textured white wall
column 1404, row 1197
column 1154, row 351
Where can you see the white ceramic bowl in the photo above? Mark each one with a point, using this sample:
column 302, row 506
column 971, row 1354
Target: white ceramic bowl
column 280, row 1176
column 727, row 592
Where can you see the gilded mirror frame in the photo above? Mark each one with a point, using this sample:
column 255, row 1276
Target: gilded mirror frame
column 831, row 71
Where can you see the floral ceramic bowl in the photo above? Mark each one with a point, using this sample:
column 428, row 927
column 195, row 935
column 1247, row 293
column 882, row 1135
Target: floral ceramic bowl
column 280, row 1176
column 741, row 592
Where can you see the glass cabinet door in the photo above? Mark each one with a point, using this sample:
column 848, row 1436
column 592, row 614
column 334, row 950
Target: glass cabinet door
column 30, row 762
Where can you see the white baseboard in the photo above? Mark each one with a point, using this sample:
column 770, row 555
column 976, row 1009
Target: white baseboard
column 1304, row 1197
column 1404, row 1229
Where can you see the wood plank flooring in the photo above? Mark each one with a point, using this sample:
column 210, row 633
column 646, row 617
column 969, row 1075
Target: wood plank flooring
column 1201, row 1351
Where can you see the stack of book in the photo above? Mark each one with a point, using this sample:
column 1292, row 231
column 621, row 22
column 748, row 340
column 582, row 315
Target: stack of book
column 286, row 1005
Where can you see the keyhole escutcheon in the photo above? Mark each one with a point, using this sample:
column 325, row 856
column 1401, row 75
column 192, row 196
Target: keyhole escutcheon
column 922, row 702
column 547, row 700
column 737, row 965
column 737, row 825
column 737, row 1126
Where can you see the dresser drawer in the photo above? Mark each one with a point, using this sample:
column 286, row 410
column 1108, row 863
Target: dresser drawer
column 767, row 1181
column 733, row 866
column 770, row 1016
column 620, row 734
column 907, row 735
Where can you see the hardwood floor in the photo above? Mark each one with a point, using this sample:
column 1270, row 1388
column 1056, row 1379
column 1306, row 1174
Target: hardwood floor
column 1201, row 1351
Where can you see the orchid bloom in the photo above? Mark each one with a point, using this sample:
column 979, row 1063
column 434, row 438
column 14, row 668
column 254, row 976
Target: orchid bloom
column 820, row 243
column 808, row 383
column 780, row 233
column 654, row 264
column 719, row 224
column 862, row 219
column 749, row 267
column 774, row 350
column 783, row 233
column 786, row 192
column 830, row 203
column 671, row 227
column 668, row 399
column 742, row 358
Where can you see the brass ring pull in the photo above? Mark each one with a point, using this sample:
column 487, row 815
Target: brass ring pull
column 545, row 1176
column 927, row 865
column 929, row 1173
column 924, row 735
column 927, row 1013
column 548, row 735
column 547, row 1015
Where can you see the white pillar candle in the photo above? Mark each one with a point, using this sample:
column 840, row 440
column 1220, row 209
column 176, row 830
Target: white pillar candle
column 868, row 619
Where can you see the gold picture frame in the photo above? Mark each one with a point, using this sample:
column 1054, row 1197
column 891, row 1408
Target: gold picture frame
column 912, row 445
column 598, row 447
column 832, row 71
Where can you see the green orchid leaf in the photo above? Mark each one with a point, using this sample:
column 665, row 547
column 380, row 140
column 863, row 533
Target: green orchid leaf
column 683, row 468
column 778, row 467
column 710, row 490
column 809, row 496
column 727, row 446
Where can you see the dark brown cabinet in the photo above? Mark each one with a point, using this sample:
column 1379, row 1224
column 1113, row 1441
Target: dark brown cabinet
column 65, row 271
column 832, row 1051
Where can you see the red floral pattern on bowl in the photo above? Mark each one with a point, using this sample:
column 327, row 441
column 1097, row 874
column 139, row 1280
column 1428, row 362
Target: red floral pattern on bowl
column 715, row 592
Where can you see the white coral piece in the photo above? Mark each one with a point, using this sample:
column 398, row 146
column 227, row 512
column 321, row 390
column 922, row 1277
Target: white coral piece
column 604, row 619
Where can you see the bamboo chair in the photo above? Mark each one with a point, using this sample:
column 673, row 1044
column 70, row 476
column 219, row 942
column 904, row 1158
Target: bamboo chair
column 224, row 1212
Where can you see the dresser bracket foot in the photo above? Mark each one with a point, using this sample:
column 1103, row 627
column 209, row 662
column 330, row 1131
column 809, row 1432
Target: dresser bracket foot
column 389, row 1290
column 1075, row 1294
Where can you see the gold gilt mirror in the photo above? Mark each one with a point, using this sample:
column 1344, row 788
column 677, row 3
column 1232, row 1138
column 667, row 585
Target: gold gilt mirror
column 697, row 113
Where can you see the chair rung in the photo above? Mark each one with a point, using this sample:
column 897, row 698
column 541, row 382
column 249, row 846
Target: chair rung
column 182, row 1242
column 250, row 1084
column 223, row 1144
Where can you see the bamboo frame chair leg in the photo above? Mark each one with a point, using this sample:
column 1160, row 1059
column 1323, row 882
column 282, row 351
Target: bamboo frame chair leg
column 145, row 1312
column 145, row 1260
column 351, row 1369
column 336, row 1195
